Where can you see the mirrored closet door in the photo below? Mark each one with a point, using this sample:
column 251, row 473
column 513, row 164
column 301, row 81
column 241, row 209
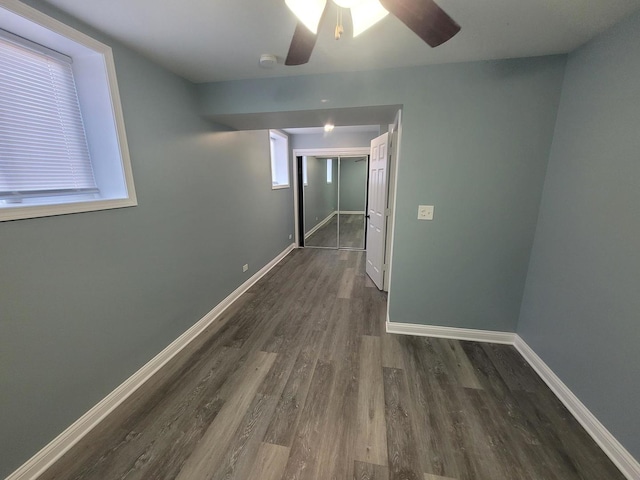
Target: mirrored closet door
column 334, row 199
column 352, row 202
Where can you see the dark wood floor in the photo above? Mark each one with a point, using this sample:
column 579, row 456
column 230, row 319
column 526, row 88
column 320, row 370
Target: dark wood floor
column 352, row 228
column 298, row 380
column 326, row 236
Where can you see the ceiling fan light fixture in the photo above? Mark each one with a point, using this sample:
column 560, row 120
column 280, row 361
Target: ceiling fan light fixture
column 364, row 15
column 424, row 17
column 308, row 12
column 349, row 3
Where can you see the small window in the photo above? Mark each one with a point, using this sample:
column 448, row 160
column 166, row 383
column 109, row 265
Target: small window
column 305, row 179
column 43, row 147
column 63, row 146
column 329, row 170
column 279, row 149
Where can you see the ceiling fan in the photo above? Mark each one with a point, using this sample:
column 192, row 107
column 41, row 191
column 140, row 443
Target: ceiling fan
column 424, row 17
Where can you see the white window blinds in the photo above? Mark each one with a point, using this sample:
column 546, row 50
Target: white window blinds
column 43, row 147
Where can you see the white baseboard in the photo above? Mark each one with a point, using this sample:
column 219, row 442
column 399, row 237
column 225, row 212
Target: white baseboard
column 628, row 465
column 46, row 457
column 352, row 212
column 320, row 224
column 450, row 332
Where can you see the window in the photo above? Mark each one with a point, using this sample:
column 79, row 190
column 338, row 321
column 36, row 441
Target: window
column 62, row 142
column 279, row 144
column 43, row 145
column 329, row 170
column 305, row 179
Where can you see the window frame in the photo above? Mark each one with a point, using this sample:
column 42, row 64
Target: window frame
column 329, row 170
column 279, row 141
column 96, row 65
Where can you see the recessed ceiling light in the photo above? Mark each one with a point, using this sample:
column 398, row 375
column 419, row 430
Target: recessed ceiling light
column 328, row 127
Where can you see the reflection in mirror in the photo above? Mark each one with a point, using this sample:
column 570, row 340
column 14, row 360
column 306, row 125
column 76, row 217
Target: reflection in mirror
column 320, row 202
column 353, row 201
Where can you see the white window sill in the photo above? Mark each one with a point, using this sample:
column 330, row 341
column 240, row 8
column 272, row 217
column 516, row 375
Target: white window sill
column 279, row 187
column 33, row 211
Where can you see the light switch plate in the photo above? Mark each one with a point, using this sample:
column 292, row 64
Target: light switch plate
column 425, row 212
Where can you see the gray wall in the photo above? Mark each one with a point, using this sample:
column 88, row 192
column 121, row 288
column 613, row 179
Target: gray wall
column 87, row 299
column 475, row 143
column 581, row 306
column 320, row 197
column 353, row 184
column 332, row 140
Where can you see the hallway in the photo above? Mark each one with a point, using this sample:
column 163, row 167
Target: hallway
column 298, row 380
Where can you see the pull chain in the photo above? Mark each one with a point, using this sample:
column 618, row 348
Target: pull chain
column 339, row 28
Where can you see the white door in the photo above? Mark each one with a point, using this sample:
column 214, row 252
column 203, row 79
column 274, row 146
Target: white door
column 376, row 207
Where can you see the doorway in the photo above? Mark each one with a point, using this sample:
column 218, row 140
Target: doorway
column 378, row 244
column 332, row 199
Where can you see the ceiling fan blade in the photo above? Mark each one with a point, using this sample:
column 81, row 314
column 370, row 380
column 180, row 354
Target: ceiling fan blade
column 303, row 42
column 301, row 46
column 425, row 18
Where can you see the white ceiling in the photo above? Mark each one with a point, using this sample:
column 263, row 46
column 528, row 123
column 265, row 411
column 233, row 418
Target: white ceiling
column 212, row 40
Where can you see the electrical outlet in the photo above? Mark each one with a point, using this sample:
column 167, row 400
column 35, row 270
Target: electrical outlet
column 289, row 236
column 245, row 267
column 425, row 212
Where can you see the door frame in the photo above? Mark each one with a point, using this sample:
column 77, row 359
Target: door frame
column 395, row 137
column 322, row 152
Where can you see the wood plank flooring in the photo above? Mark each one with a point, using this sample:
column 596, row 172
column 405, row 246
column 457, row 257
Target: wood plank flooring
column 298, row 380
column 326, row 236
column 352, row 228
